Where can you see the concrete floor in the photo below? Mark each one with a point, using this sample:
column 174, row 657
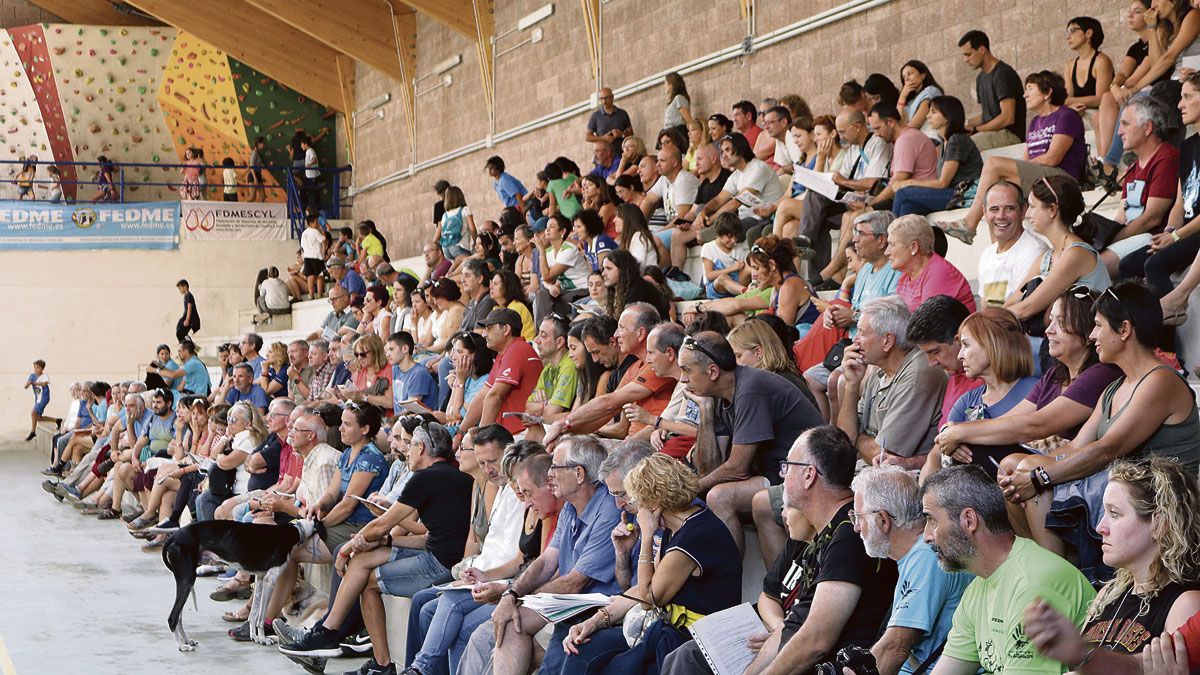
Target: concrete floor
column 78, row 595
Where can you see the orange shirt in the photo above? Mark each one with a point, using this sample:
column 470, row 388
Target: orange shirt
column 660, row 392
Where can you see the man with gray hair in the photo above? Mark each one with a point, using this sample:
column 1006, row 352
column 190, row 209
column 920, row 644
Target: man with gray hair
column 578, row 559
column 891, row 411
column 887, row 515
column 620, row 461
column 967, row 526
column 1150, row 183
column 323, row 367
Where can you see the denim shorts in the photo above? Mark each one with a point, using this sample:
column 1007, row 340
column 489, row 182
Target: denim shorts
column 409, row 571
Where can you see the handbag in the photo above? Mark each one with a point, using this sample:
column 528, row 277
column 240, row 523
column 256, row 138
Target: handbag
column 639, row 619
column 833, row 359
column 1106, row 229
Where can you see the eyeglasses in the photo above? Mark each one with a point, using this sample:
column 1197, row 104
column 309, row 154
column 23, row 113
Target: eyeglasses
column 860, row 233
column 560, row 467
column 309, row 431
column 692, row 343
column 784, row 465
column 362, row 354
column 1080, row 292
column 558, row 317
column 855, row 516
column 1110, row 291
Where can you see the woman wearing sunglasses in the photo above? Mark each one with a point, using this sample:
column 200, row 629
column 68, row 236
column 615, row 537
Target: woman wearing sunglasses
column 1149, row 409
column 1055, row 204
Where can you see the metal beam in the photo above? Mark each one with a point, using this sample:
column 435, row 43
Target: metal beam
column 254, row 37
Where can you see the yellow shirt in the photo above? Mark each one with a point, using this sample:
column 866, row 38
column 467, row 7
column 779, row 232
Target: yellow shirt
column 527, row 330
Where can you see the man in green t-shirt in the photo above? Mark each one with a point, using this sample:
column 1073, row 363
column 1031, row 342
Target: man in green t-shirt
column 967, row 525
column 554, row 394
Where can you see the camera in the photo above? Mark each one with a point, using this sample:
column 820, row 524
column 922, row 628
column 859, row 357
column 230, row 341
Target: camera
column 858, row 660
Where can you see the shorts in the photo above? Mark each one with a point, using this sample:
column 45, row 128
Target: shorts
column 24, row 190
column 454, row 251
column 1031, row 173
column 818, row 373
column 1128, row 245
column 313, row 267
column 409, row 571
column 775, row 495
column 144, row 479
column 39, row 407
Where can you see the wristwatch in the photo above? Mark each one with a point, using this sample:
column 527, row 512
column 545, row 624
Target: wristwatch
column 515, row 595
column 1041, row 479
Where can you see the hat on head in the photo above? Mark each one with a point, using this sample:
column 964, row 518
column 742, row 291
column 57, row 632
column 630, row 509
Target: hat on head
column 538, row 225
column 335, row 261
column 502, row 315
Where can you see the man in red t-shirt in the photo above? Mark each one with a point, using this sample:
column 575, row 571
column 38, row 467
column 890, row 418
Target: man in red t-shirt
column 638, row 385
column 1150, row 184
column 513, row 376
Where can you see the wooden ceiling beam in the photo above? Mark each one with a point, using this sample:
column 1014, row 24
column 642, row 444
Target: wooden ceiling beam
column 250, row 35
column 92, row 13
column 475, row 19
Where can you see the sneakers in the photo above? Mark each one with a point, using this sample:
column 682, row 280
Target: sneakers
column 242, row 632
column 675, row 274
column 49, row 486
column 70, row 492
column 287, row 634
column 359, row 643
column 209, row 570
column 371, row 667
column 311, row 664
column 320, row 641
column 31, row 436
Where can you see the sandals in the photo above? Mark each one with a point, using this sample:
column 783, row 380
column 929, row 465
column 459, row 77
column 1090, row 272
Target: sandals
column 1176, row 318
column 231, row 591
column 958, row 231
column 109, row 514
column 153, row 545
column 237, row 616
column 142, row 522
column 133, row 516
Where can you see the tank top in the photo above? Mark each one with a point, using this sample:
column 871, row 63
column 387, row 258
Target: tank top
column 1191, row 50
column 1097, row 280
column 1181, row 440
column 1124, row 627
column 1088, row 88
column 800, row 311
column 530, row 541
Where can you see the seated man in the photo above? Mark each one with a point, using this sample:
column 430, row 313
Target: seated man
column 1005, row 263
column 753, row 189
column 244, row 389
column 638, row 383
column 154, row 436
column 579, row 559
column 933, row 329
column 966, row 524
column 340, row 320
column 438, row 494
column 436, row 263
column 674, row 430
column 748, row 419
column 887, row 507
column 998, row 90
column 890, row 413
column 842, row 594
column 556, row 388
column 513, row 376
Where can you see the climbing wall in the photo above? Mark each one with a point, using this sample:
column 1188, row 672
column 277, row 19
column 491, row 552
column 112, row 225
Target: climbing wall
column 107, row 78
column 30, row 45
column 276, row 113
column 20, row 115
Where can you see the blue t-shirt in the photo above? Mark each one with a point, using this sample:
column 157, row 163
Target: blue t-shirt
column 507, row 188
column 371, row 460
column 416, row 382
column 195, row 376
column 353, row 283
column 41, row 392
column 170, row 365
column 280, row 376
column 583, row 542
column 85, row 415
column 592, row 249
column 256, row 396
column 99, row 411
column 257, row 363
column 871, row 283
column 141, row 424
column 970, row 407
column 706, row 540
column 925, row 599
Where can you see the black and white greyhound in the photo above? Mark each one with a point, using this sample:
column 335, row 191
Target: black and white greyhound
column 261, row 550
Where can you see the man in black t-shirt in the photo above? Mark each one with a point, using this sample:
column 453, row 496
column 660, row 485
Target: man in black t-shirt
column 190, row 321
column 1000, row 93
column 841, row 596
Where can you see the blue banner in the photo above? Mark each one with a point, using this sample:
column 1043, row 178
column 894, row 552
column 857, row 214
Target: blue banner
column 61, row 227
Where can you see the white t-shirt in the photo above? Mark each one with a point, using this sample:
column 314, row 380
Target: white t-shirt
column 875, row 162
column 671, row 116
column 274, row 292
column 242, row 442
column 1001, row 274
column 784, row 155
column 676, row 193
column 759, row 177
column 711, row 251
column 578, row 267
column 312, row 243
column 310, row 163
column 643, row 250
column 229, row 178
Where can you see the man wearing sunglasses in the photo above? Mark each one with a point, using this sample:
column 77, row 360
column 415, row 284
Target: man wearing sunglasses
column 748, row 420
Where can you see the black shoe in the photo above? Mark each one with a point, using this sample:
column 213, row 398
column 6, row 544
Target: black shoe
column 828, row 285
column 359, row 643
column 311, row 664
column 48, row 486
column 410, row 671
column 242, row 632
column 31, row 436
column 676, row 274
column 373, row 668
column 320, row 641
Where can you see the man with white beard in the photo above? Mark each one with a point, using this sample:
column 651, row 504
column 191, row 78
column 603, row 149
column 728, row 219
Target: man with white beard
column 887, row 515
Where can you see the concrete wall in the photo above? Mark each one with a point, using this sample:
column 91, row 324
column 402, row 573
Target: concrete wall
column 99, row 314
column 641, row 39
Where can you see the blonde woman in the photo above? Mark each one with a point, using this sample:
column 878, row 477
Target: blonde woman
column 756, row 345
column 697, row 134
column 374, row 374
column 633, row 149
column 698, row 572
column 274, row 372
column 1150, row 529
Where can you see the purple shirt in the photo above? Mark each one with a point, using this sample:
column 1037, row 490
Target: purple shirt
column 1085, row 390
column 1043, row 129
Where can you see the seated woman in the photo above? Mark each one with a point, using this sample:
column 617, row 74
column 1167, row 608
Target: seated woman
column 274, row 377
column 696, row 574
column 419, row 322
column 1055, row 204
column 588, row 230
column 1090, row 73
column 1131, row 421
column 447, row 299
column 825, row 153
column 993, row 349
column 1057, row 406
column 959, row 164
column 634, row 236
column 1054, row 148
column 623, row 278
column 506, row 290
column 755, row 345
column 918, row 90
column 1149, row 529
column 377, row 318
column 593, row 376
column 598, row 196
column 772, row 262
column 633, row 149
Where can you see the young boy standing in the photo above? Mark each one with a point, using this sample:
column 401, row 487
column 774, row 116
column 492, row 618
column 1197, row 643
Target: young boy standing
column 190, row 321
column 312, row 247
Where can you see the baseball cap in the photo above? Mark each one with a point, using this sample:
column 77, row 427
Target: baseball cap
column 502, row 315
column 335, row 261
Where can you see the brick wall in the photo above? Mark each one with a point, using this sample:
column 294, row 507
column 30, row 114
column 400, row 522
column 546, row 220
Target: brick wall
column 22, row 13
column 642, row 38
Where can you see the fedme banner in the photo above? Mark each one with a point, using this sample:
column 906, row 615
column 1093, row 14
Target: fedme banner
column 238, row 221
column 26, row 226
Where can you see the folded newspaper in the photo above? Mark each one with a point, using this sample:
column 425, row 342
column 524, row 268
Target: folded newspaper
column 555, row 607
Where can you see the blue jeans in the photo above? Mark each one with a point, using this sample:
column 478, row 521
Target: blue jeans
column 1116, row 148
column 445, row 624
column 444, row 368
column 602, row 642
column 410, row 571
column 920, row 200
column 454, row 251
column 206, row 506
column 555, row 657
column 1157, row 268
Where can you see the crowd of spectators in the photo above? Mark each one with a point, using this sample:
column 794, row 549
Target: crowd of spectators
column 939, row 477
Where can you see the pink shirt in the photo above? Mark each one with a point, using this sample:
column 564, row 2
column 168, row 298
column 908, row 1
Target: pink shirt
column 916, row 154
column 938, row 278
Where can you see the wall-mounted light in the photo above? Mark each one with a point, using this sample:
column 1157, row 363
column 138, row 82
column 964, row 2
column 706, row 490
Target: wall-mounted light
column 445, row 81
column 526, row 22
column 361, row 118
column 442, row 67
column 376, row 102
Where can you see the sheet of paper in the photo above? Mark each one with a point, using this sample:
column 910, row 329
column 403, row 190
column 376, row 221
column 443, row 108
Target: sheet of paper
column 722, row 638
column 821, row 183
column 1192, row 62
column 749, row 199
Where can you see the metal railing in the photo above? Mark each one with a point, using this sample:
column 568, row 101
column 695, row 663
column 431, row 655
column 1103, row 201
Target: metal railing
column 296, row 192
